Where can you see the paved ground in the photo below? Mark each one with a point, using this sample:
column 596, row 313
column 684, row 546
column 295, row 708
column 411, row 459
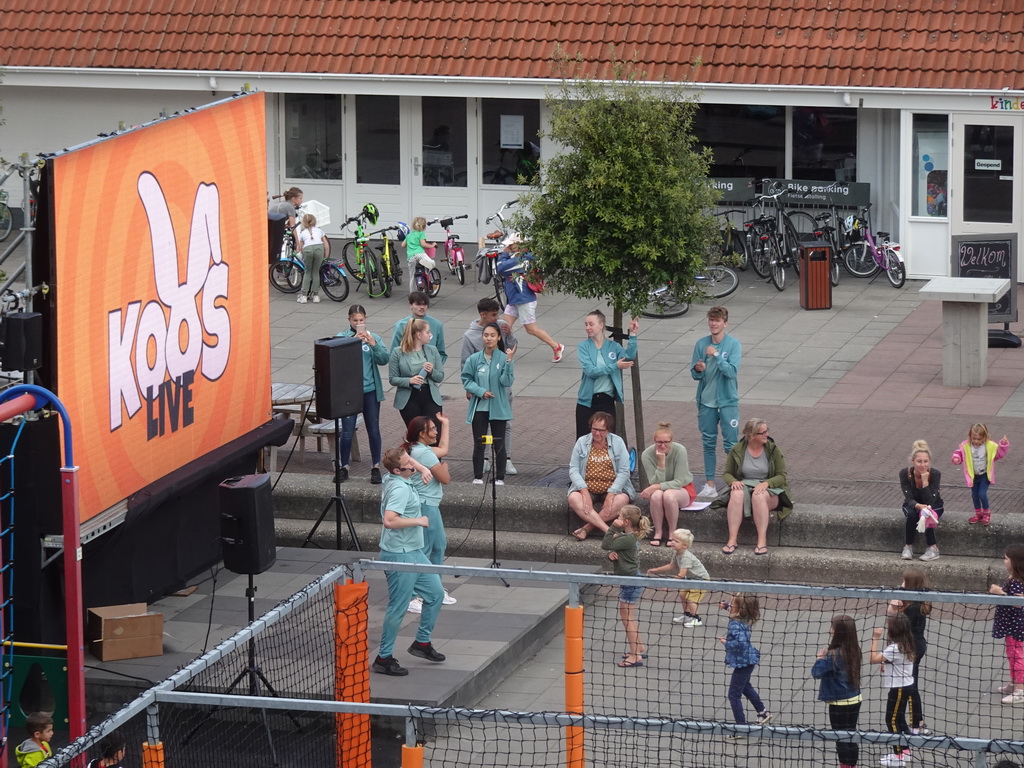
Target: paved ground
column 845, row 391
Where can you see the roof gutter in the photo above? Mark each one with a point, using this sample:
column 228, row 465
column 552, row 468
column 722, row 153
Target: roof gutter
column 418, row 85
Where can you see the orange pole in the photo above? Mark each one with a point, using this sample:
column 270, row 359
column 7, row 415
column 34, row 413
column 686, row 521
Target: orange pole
column 412, row 757
column 574, row 755
column 352, row 673
column 152, row 755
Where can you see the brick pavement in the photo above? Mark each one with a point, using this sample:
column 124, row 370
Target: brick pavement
column 845, row 391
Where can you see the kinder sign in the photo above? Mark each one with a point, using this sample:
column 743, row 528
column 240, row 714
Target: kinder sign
column 163, row 350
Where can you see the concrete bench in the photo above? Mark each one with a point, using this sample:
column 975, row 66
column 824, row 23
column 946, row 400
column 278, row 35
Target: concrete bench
column 965, row 303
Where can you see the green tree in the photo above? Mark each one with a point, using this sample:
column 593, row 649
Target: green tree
column 625, row 206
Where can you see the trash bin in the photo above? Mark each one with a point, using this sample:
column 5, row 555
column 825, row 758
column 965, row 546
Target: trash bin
column 815, row 285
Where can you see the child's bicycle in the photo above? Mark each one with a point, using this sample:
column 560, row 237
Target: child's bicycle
column 428, row 281
column 384, row 270
column 490, row 249
column 357, row 255
column 286, row 275
column 864, row 257
column 453, row 252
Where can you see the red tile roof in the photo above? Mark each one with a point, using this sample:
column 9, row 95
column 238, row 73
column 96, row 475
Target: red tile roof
column 942, row 44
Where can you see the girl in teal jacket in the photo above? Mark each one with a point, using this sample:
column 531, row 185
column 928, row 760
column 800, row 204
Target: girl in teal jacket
column 486, row 376
column 602, row 362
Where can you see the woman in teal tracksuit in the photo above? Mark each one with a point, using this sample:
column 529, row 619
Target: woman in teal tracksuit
column 486, row 376
column 602, row 362
column 375, row 354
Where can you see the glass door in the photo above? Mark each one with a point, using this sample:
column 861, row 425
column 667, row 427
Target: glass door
column 443, row 149
column 985, row 193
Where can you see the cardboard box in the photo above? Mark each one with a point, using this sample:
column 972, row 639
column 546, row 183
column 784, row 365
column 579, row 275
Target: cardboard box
column 125, row 632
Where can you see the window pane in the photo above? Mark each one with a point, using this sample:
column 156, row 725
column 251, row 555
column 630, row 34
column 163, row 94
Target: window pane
column 312, row 145
column 511, row 140
column 378, row 150
column 825, row 143
column 444, row 142
column 931, row 165
column 747, row 141
column 988, row 173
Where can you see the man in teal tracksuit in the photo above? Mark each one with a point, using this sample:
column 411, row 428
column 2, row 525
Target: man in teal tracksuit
column 715, row 365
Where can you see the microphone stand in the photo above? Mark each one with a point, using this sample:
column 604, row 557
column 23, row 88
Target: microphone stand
column 489, row 439
column 337, row 503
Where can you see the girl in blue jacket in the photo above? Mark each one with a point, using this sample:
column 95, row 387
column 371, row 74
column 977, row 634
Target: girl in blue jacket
column 838, row 669
column 742, row 656
column 486, row 376
column 602, row 362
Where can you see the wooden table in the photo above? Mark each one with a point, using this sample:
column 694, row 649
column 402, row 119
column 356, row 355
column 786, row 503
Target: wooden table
column 291, row 400
column 965, row 303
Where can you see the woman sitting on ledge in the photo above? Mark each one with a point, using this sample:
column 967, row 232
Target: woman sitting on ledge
column 755, row 477
column 599, row 473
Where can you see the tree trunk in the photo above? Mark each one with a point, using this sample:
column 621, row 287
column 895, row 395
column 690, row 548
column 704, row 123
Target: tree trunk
column 638, row 421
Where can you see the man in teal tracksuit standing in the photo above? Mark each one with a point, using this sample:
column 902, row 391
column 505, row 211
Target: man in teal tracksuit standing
column 715, row 365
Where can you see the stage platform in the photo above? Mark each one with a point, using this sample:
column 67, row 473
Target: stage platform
column 486, row 635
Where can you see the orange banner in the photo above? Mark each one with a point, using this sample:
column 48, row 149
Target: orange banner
column 163, row 338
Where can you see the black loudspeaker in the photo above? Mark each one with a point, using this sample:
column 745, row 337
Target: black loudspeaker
column 247, row 524
column 23, row 341
column 338, row 376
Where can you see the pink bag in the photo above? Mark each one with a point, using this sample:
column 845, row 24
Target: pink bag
column 928, row 519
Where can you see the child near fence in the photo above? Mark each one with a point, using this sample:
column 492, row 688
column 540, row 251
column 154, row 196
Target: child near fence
column 1009, row 623
column 897, row 663
column 622, row 541
column 742, row 656
column 838, row 669
column 978, row 455
column 917, row 611
column 685, row 565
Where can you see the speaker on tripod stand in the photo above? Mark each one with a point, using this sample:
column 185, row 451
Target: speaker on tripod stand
column 248, row 539
column 338, row 378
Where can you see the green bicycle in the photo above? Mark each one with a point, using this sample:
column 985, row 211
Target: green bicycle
column 359, row 257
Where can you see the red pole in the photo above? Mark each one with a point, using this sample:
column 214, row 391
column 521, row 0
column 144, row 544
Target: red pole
column 73, row 602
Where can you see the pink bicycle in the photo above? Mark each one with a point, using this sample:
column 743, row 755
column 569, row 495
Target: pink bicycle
column 453, row 252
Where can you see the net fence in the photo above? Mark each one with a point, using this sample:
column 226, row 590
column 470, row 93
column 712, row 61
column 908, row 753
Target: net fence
column 293, row 688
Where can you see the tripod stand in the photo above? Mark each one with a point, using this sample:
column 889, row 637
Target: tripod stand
column 337, row 502
column 489, row 440
column 251, row 673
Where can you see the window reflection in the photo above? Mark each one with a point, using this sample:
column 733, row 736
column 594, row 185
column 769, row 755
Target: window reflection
column 510, row 151
column 312, row 136
column 825, row 143
column 931, row 165
column 444, row 142
column 747, row 141
column 378, row 140
column 988, row 173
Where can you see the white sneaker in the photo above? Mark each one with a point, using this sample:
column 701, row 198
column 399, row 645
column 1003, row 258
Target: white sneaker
column 448, row 599
column 932, row 553
column 908, row 553
column 1017, row 697
column 316, row 298
column 892, row 759
column 680, row 619
column 301, row 299
column 510, row 469
column 708, row 492
column 693, row 621
column 478, row 481
column 499, row 482
column 415, row 605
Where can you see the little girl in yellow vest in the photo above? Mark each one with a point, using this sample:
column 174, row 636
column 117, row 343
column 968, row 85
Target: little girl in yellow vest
column 978, row 455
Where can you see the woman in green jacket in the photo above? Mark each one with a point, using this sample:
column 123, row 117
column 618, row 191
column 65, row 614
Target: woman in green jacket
column 486, row 376
column 755, row 477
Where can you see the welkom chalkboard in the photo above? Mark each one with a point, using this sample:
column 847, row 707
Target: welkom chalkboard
column 989, row 256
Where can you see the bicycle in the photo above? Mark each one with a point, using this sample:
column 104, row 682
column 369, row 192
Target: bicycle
column 428, row 281
column 864, row 257
column 286, row 275
column 354, row 254
column 6, row 219
column 828, row 232
column 778, row 238
column 490, row 249
column 454, row 255
column 715, row 281
column 666, row 302
column 733, row 244
column 386, row 270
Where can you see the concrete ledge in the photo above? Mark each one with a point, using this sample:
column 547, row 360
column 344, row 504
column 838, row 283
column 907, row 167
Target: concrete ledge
column 540, row 511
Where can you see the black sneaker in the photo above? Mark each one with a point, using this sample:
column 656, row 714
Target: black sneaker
column 426, row 651
column 341, row 475
column 375, row 476
column 389, row 666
